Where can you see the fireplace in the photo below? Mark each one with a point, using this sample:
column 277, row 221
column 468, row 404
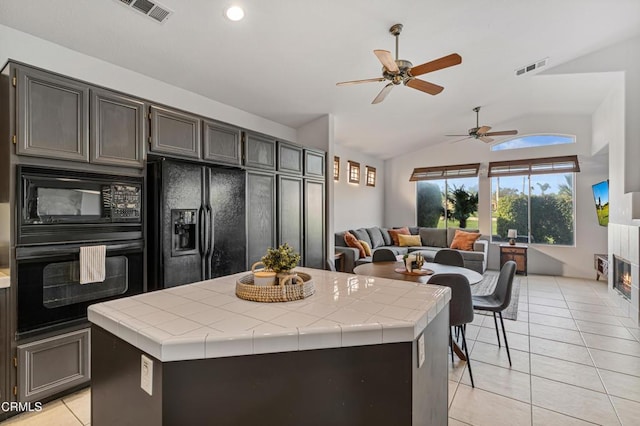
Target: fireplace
column 622, row 276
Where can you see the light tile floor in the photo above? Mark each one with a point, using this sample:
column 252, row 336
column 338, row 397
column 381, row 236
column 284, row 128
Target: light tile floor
column 576, row 361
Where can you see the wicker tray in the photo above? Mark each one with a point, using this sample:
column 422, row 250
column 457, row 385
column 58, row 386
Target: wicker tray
column 245, row 289
column 414, row 272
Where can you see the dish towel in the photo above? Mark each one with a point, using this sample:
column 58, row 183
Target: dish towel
column 92, row 264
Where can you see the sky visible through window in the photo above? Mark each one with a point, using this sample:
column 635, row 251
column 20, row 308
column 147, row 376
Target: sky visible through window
column 533, row 141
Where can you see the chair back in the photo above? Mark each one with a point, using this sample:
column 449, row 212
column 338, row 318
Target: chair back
column 502, row 292
column 460, row 306
column 383, row 255
column 330, row 265
column 449, row 257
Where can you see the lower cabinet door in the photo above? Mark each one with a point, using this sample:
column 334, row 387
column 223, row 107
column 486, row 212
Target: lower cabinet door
column 52, row 365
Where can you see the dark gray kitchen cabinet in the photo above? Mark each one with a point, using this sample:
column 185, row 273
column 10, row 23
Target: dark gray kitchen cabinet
column 222, row 143
column 118, row 129
column 175, row 133
column 260, row 152
column 53, row 365
column 52, row 116
column 314, row 219
column 314, row 165
column 289, row 158
column 261, row 214
column 290, row 217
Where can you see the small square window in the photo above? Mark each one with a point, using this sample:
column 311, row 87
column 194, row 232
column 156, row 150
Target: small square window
column 354, row 172
column 336, row 168
column 371, row 176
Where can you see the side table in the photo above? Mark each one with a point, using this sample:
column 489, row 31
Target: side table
column 517, row 253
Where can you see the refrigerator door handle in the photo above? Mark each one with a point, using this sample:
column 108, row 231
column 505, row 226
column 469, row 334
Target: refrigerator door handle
column 210, row 231
column 201, row 231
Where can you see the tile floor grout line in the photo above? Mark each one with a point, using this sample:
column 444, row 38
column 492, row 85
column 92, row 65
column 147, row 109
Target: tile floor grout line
column 72, row 412
column 604, row 386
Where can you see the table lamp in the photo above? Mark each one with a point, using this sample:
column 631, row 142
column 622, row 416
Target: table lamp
column 512, row 234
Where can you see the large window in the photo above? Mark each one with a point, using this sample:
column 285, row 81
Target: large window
column 446, row 203
column 538, row 203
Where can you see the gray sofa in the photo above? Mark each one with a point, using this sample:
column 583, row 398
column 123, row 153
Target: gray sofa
column 432, row 240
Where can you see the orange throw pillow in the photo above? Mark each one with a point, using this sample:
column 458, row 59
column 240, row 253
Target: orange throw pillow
column 352, row 241
column 394, row 234
column 464, row 240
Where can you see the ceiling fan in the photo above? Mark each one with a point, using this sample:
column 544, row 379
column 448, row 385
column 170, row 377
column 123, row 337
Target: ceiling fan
column 401, row 71
column 482, row 132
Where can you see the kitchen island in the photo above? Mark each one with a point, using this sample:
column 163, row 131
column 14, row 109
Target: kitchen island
column 361, row 350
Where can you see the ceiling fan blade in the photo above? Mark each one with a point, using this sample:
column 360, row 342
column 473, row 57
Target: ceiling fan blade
column 459, row 140
column 386, row 58
column 435, row 65
column 459, row 135
column 383, row 93
column 368, row 80
column 485, row 139
column 482, row 130
column 424, row 86
column 502, row 133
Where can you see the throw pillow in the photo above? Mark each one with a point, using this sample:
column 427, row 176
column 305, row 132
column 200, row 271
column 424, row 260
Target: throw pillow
column 361, row 234
column 464, row 240
column 366, row 247
column 386, row 237
column 409, row 240
column 394, row 234
column 352, row 241
column 377, row 240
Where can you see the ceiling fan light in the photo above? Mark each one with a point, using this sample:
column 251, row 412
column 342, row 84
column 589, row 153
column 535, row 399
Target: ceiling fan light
column 234, row 13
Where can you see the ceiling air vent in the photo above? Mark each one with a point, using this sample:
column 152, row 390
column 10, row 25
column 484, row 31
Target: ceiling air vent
column 153, row 10
column 532, row 67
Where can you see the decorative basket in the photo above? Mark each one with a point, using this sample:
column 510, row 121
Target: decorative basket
column 303, row 288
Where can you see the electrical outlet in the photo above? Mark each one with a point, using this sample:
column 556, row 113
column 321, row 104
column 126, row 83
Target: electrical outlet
column 421, row 350
column 146, row 374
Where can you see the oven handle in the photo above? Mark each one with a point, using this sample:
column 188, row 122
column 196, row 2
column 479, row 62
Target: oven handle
column 37, row 252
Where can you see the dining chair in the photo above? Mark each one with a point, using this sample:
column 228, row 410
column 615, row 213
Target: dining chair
column 449, row 257
column 499, row 300
column 460, row 309
column 383, row 255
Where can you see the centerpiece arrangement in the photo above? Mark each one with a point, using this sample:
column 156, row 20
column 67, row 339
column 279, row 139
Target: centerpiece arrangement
column 275, row 281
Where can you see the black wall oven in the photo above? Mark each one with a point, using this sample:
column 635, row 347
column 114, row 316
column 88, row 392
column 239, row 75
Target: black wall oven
column 60, row 211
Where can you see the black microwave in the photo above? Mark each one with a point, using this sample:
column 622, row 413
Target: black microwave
column 61, row 205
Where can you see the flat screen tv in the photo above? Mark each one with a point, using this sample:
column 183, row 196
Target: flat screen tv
column 601, row 198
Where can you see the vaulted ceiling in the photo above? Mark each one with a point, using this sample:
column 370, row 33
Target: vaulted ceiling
column 282, row 61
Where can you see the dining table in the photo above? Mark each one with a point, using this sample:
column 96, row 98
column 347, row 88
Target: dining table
column 389, row 269
column 397, row 271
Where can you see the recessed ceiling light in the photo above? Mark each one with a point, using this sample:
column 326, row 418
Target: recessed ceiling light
column 235, row 13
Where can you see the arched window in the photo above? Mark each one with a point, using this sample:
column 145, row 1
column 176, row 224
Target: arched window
column 532, row 141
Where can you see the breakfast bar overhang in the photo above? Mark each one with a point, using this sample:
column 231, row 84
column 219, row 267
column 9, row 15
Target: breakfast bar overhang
column 361, row 350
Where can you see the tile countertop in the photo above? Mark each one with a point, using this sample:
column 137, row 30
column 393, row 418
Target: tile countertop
column 5, row 278
column 207, row 319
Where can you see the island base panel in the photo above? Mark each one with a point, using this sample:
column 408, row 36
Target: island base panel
column 367, row 385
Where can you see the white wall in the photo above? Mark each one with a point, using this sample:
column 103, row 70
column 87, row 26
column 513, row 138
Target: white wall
column 357, row 206
column 31, row 50
column 623, row 57
column 400, row 205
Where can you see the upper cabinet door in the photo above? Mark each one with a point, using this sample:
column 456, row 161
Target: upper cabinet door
column 175, row 133
column 314, row 163
column 260, row 152
column 117, row 129
column 289, row 158
column 222, row 143
column 52, row 116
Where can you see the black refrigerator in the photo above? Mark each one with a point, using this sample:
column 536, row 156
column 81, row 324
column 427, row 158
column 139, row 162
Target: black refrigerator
column 197, row 225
